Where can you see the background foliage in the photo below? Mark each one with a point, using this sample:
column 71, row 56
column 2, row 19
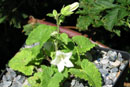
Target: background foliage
column 111, row 14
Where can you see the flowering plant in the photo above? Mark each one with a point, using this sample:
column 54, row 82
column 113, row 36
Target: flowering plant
column 50, row 58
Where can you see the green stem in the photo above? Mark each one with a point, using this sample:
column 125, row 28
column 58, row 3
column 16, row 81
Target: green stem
column 58, row 25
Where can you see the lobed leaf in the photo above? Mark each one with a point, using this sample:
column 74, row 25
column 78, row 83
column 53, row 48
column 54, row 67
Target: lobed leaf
column 89, row 72
column 49, row 78
column 83, row 43
column 20, row 62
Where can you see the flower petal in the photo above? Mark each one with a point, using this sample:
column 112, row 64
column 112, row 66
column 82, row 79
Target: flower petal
column 68, row 55
column 68, row 63
column 60, row 66
column 55, row 61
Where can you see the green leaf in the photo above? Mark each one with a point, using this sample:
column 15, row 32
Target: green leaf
column 64, row 38
column 20, row 62
column 50, row 15
column 122, row 13
column 89, row 72
column 111, row 19
column 25, row 15
column 50, row 79
column 35, row 80
column 39, row 35
column 117, row 32
column 28, row 28
column 106, row 4
column 54, row 13
column 2, row 19
column 83, row 22
column 83, row 43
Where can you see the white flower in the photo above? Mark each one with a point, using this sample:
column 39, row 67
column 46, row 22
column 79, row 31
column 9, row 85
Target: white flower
column 74, row 6
column 68, row 10
column 61, row 60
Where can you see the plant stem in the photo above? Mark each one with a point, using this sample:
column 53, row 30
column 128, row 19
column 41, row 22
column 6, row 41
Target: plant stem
column 58, row 25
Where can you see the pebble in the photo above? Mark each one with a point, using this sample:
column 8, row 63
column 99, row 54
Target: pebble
column 104, row 61
column 11, row 79
column 112, row 55
column 108, row 82
column 99, row 66
column 114, row 70
column 116, row 63
column 112, row 75
column 122, row 66
column 6, row 83
column 119, row 55
column 103, row 71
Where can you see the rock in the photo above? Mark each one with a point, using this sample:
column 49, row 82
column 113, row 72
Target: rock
column 6, row 83
column 73, row 82
column 116, row 63
column 103, row 71
column 112, row 75
column 114, row 70
column 99, row 66
column 11, row 72
column 106, row 66
column 107, row 86
column 120, row 59
column 22, row 79
column 16, row 84
column 96, row 62
column 17, row 78
column 4, row 78
column 81, row 85
column 104, row 61
column 119, row 55
column 9, row 77
column 108, row 82
column 122, row 66
column 112, row 55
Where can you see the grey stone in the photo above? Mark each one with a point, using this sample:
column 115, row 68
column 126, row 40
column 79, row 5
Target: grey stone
column 99, row 66
column 120, row 59
column 114, row 70
column 107, row 86
column 112, row 55
column 73, row 82
column 116, row 63
column 81, row 85
column 6, row 83
column 108, row 82
column 119, row 55
column 103, row 71
column 9, row 77
column 16, row 84
column 106, row 66
column 112, row 75
column 122, row 66
column 104, row 61
column 11, row 72
column 76, row 84
column 22, row 79
column 4, row 78
column 18, row 78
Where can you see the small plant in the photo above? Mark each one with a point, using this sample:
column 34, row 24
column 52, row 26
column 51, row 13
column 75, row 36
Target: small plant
column 50, row 58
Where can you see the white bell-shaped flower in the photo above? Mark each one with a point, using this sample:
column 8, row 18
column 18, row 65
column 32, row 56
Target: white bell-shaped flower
column 68, row 10
column 61, row 60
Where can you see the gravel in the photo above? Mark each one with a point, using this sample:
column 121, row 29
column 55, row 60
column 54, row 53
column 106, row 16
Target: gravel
column 110, row 64
column 11, row 79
